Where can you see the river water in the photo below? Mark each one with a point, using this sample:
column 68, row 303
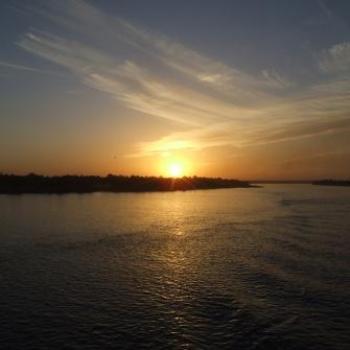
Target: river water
column 254, row 268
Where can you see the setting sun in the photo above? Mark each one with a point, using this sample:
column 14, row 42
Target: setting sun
column 175, row 170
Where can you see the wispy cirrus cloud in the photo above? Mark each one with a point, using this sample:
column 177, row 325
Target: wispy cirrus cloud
column 14, row 66
column 219, row 104
column 336, row 59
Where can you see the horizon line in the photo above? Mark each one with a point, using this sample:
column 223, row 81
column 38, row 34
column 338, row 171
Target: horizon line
column 267, row 180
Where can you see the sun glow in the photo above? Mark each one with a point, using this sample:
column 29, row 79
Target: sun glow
column 176, row 170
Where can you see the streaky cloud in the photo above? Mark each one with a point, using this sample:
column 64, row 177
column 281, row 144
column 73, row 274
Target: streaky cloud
column 14, row 66
column 336, row 59
column 219, row 104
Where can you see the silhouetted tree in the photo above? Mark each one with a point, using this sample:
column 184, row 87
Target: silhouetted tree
column 33, row 183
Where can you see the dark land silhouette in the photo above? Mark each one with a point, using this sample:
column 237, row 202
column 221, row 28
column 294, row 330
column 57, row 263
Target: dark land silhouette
column 32, row 183
column 330, row 182
column 281, row 182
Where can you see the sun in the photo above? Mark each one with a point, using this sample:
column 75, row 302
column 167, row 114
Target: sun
column 176, row 170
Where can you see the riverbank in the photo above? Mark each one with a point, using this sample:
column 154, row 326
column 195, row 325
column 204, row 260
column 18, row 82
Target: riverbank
column 32, row 183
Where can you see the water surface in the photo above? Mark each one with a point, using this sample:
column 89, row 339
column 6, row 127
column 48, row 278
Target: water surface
column 215, row 269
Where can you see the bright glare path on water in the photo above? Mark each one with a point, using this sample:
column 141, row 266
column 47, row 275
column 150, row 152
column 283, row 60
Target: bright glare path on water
column 219, row 269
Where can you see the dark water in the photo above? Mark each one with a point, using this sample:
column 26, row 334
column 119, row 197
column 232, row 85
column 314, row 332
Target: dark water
column 221, row 269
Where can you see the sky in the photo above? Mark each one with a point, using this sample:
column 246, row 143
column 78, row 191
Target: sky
column 232, row 88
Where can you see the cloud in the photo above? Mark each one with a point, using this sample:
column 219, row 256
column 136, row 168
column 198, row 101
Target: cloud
column 216, row 103
column 14, row 66
column 141, row 89
column 304, row 129
column 336, row 59
column 275, row 79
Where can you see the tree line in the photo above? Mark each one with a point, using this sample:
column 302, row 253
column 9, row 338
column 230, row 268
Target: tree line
column 33, row 183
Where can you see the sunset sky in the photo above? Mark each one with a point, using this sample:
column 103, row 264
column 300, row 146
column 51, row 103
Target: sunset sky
column 242, row 89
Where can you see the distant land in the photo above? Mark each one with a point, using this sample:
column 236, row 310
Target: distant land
column 332, row 182
column 328, row 182
column 287, row 182
column 32, row 183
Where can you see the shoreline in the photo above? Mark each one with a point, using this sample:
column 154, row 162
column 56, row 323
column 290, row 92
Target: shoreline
column 335, row 183
column 37, row 184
